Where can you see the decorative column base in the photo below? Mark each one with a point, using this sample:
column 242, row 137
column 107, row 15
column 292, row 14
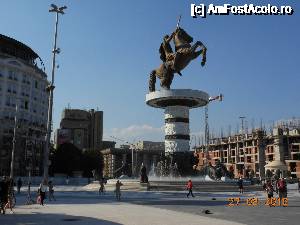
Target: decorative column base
column 177, row 104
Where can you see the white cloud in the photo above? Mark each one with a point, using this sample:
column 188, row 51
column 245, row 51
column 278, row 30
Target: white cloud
column 136, row 133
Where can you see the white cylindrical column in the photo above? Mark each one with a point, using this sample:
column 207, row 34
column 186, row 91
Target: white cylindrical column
column 177, row 131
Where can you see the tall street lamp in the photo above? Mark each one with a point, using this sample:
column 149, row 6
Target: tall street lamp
column 243, row 142
column 11, row 175
column 50, row 88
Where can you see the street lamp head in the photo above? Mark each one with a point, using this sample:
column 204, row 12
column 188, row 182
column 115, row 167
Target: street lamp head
column 56, row 9
column 54, row 6
column 62, row 8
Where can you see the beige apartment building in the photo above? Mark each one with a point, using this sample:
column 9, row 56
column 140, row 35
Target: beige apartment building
column 255, row 153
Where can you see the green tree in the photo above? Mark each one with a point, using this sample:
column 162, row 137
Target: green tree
column 66, row 159
column 92, row 161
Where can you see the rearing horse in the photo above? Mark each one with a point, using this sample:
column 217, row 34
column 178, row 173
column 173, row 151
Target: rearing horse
column 185, row 53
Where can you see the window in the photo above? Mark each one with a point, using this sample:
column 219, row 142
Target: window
column 26, row 104
column 10, row 101
column 24, row 80
column 10, row 74
column 36, row 84
column 249, row 159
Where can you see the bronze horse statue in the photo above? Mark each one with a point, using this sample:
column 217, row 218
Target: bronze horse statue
column 185, row 53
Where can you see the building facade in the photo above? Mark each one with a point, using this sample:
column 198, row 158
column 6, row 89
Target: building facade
column 255, row 153
column 82, row 128
column 23, row 93
column 118, row 161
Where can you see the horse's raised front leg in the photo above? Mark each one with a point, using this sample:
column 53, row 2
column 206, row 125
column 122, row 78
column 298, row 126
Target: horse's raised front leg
column 195, row 54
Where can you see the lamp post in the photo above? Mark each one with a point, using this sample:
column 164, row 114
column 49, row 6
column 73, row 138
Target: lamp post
column 50, row 88
column 132, row 147
column 220, row 98
column 11, row 175
column 243, row 142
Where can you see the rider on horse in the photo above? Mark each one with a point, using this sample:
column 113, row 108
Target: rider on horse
column 167, row 55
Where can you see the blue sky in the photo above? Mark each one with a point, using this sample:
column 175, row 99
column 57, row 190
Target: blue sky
column 109, row 48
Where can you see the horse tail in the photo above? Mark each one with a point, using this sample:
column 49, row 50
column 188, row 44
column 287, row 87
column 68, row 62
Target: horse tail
column 152, row 81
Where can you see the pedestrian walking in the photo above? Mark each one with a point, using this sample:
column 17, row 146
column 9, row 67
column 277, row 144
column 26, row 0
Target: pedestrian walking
column 102, row 188
column 19, row 185
column 29, row 199
column 42, row 190
column 241, row 186
column 270, row 192
column 51, row 191
column 282, row 189
column 189, row 187
column 118, row 190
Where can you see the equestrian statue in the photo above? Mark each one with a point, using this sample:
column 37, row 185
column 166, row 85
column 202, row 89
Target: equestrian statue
column 175, row 62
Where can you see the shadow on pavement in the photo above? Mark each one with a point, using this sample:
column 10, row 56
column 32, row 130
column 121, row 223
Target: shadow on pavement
column 179, row 202
column 47, row 219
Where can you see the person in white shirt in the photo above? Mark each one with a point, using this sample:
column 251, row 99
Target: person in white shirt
column 43, row 190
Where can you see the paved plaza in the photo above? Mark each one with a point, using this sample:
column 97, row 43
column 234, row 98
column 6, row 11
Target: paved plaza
column 75, row 205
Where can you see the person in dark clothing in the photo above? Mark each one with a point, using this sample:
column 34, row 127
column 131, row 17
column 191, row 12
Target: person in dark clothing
column 5, row 186
column 51, row 191
column 189, row 187
column 19, row 185
column 3, row 195
column 241, row 186
column 102, row 188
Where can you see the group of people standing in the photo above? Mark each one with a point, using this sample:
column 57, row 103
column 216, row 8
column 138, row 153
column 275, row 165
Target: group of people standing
column 280, row 187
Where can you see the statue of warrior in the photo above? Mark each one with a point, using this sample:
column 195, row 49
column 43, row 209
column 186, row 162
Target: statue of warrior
column 167, row 55
column 175, row 62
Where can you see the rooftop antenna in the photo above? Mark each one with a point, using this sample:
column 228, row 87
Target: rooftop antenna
column 252, row 124
column 229, row 130
column 246, row 126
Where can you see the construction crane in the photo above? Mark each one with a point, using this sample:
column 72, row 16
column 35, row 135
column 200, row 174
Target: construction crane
column 220, row 98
